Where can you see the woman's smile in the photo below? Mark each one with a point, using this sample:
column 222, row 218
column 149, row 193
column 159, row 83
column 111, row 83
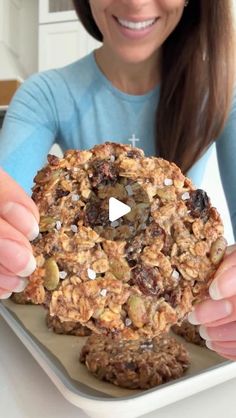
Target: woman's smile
column 135, row 28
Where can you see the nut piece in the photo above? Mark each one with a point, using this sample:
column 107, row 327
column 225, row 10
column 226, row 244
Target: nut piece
column 217, row 250
column 51, row 278
column 137, row 311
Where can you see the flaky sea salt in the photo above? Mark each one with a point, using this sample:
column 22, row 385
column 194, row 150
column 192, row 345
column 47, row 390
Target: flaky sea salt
column 91, row 274
column 175, row 274
column 62, row 274
column 58, row 225
column 74, row 228
column 146, row 345
column 112, row 159
column 115, row 224
column 103, row 292
column 128, row 322
column 185, row 196
column 129, row 190
column 75, row 197
column 168, row 182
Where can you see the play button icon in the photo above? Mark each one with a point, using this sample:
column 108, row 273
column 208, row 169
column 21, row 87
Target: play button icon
column 117, row 209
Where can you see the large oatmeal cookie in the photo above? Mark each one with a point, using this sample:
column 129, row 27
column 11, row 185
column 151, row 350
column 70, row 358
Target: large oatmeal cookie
column 189, row 332
column 137, row 364
column 67, row 327
column 134, row 277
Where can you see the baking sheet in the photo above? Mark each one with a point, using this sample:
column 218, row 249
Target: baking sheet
column 65, row 351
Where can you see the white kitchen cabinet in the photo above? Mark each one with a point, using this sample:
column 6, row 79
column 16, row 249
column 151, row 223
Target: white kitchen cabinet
column 62, row 38
column 56, row 11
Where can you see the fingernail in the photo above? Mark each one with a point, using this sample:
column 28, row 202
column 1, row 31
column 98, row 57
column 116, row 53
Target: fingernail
column 5, row 295
column 21, row 286
column 192, row 318
column 209, row 345
column 224, row 285
column 202, row 331
column 16, row 258
column 214, row 291
column 21, row 218
column 29, row 269
column 210, row 311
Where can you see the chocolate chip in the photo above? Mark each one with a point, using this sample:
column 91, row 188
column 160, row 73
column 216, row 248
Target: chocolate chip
column 198, row 203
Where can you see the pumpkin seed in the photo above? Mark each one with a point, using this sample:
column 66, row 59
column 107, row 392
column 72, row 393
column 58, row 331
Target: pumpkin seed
column 51, row 278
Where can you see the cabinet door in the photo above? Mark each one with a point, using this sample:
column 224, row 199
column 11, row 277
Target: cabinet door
column 56, row 11
column 63, row 43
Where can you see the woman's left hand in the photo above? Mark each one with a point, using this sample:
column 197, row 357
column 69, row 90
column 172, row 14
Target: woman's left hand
column 217, row 315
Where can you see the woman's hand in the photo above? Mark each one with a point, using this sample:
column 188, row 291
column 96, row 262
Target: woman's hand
column 218, row 314
column 19, row 219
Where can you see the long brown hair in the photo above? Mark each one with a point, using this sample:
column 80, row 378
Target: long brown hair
column 197, row 78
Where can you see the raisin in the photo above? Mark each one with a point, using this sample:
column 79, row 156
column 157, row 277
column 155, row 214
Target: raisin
column 147, row 279
column 61, row 193
column 134, row 153
column 131, row 365
column 154, row 230
column 104, row 173
column 53, row 160
column 95, row 214
column 188, row 226
column 168, row 243
column 35, row 193
column 173, row 297
column 198, row 203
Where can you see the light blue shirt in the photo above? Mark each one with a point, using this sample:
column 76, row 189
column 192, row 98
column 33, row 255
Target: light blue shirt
column 77, row 107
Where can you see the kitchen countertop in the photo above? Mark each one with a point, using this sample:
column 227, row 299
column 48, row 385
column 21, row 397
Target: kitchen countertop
column 27, row 392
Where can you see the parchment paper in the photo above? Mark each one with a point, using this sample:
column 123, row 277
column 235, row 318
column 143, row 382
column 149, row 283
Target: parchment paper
column 65, row 349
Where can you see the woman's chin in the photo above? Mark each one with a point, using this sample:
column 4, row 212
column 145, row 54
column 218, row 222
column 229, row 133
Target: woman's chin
column 135, row 55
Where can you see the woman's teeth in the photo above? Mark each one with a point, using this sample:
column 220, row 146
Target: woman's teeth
column 136, row 25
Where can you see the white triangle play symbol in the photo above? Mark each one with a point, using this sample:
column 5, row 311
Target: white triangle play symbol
column 117, row 209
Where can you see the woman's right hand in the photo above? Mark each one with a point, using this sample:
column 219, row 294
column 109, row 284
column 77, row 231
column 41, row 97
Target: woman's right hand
column 19, row 220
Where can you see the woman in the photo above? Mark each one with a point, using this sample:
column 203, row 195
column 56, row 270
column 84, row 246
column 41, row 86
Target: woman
column 163, row 79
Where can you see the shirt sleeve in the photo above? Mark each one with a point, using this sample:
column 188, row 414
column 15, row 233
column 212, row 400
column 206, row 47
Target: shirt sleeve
column 29, row 130
column 226, row 155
